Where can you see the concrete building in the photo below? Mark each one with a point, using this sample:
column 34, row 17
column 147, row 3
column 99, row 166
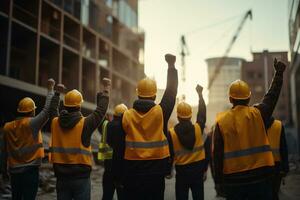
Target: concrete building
column 76, row 42
column 294, row 35
column 218, row 94
column 259, row 72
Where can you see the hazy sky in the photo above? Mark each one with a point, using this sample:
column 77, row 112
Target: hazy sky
column 164, row 21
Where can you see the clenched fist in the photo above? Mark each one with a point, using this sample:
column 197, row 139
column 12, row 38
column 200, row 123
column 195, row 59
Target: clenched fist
column 50, row 84
column 279, row 66
column 60, row 88
column 170, row 59
column 106, row 83
column 199, row 89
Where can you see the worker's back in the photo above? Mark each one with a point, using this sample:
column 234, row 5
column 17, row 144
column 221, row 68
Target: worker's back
column 145, row 139
column 246, row 146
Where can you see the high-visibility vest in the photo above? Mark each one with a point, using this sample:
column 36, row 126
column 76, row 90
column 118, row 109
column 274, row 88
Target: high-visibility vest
column 246, row 145
column 183, row 156
column 145, row 139
column 21, row 146
column 105, row 152
column 66, row 146
column 274, row 135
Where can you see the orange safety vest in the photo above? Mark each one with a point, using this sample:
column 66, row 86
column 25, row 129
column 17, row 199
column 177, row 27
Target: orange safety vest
column 184, row 156
column 246, row 145
column 274, row 135
column 145, row 139
column 21, row 146
column 66, row 147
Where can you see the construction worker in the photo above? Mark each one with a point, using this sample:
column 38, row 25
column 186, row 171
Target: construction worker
column 147, row 156
column 70, row 144
column 24, row 145
column 242, row 158
column 276, row 136
column 189, row 152
column 109, row 183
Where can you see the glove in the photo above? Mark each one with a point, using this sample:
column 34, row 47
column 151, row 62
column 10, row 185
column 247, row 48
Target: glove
column 170, row 59
column 199, row 89
column 279, row 66
column 50, row 84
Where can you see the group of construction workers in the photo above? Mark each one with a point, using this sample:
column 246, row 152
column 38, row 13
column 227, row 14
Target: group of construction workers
column 246, row 150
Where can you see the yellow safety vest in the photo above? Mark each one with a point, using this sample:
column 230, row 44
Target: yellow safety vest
column 21, row 146
column 246, row 145
column 145, row 139
column 105, row 152
column 66, row 146
column 274, row 135
column 184, row 156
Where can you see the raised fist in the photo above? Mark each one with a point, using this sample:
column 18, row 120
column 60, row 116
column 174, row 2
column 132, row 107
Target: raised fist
column 279, row 66
column 199, row 89
column 170, row 59
column 50, row 84
column 60, row 88
column 106, row 83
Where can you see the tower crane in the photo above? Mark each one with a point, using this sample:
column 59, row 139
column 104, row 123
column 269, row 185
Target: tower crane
column 184, row 50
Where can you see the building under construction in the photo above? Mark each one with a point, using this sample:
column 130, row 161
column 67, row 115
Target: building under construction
column 76, row 42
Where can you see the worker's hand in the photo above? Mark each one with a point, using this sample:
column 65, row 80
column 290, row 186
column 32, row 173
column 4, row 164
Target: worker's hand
column 279, row 66
column 50, row 84
column 170, row 59
column 199, row 89
column 169, row 176
column 106, row 84
column 60, row 88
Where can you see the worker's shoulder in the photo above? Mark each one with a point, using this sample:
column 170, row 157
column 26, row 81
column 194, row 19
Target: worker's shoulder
column 222, row 115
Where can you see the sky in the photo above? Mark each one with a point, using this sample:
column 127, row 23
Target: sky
column 164, row 21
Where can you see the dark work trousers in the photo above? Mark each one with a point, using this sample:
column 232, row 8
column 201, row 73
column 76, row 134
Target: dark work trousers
column 77, row 189
column 144, row 187
column 276, row 182
column 183, row 185
column 253, row 191
column 108, row 183
column 25, row 185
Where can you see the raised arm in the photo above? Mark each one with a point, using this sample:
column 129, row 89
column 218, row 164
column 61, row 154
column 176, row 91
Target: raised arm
column 201, row 115
column 169, row 98
column 270, row 99
column 37, row 122
column 93, row 120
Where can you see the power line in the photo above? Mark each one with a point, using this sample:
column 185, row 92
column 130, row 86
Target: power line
column 213, row 25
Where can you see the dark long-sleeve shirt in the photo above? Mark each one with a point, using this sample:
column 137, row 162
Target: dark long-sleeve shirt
column 92, row 121
column 266, row 108
column 155, row 167
column 194, row 170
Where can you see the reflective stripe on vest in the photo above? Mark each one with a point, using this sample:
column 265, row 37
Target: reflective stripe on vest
column 186, row 152
column 246, row 145
column 247, row 152
column 66, row 145
column 274, row 136
column 104, row 151
column 21, row 146
column 150, row 145
column 69, row 150
column 145, row 139
column 25, row 150
column 185, row 156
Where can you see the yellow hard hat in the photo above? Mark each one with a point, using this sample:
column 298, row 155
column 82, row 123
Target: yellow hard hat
column 120, row 109
column 26, row 105
column 239, row 90
column 146, row 88
column 184, row 110
column 73, row 99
